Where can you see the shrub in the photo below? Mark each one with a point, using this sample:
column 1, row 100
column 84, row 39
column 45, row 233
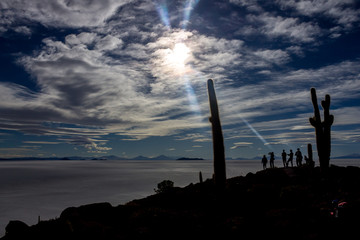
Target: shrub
column 164, row 186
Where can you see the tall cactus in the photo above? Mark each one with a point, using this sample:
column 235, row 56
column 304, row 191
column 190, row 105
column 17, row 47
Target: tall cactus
column 322, row 129
column 310, row 152
column 310, row 155
column 218, row 140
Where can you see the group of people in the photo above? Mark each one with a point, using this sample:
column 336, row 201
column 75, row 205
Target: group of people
column 286, row 161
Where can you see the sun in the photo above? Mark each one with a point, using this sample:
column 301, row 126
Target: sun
column 178, row 58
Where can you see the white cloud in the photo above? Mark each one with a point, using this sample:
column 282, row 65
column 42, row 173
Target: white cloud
column 59, row 13
column 195, row 137
column 251, row 5
column 342, row 11
column 241, row 145
column 273, row 56
column 108, row 43
column 291, row 28
column 40, row 142
column 23, row 30
column 85, row 38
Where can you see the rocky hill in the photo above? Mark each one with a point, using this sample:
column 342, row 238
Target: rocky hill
column 290, row 203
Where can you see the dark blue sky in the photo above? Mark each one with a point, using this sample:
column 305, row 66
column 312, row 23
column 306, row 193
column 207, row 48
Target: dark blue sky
column 128, row 78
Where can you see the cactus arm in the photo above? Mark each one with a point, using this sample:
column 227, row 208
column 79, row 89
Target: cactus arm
column 316, row 118
column 315, row 121
column 328, row 121
column 218, row 140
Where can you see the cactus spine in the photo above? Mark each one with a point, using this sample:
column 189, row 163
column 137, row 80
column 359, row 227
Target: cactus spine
column 322, row 129
column 218, row 140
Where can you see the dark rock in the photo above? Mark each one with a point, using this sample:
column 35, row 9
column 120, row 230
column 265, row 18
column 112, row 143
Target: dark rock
column 16, row 229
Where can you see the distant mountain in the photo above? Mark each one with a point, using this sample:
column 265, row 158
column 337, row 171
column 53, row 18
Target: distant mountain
column 160, row 157
column 140, row 157
column 113, row 157
column 188, row 159
column 163, row 157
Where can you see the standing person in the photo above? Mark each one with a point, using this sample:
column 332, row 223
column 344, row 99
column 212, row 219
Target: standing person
column 299, row 157
column 272, row 159
column 283, row 155
column 264, row 161
column 291, row 156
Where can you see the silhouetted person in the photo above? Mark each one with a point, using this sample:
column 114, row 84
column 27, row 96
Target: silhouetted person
column 264, row 161
column 291, row 157
column 283, row 155
column 272, row 159
column 299, row 158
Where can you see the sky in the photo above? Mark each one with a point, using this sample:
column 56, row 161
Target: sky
column 128, row 77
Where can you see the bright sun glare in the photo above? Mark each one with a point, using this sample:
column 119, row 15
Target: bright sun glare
column 178, row 57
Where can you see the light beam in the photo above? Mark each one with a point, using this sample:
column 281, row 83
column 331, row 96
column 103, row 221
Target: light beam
column 189, row 6
column 163, row 12
column 256, row 133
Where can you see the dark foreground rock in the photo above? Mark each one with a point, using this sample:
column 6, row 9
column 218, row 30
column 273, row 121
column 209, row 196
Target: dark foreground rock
column 292, row 203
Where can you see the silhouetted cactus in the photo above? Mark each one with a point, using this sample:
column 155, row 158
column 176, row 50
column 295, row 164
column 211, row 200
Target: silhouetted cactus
column 200, row 177
column 310, row 152
column 322, row 129
column 218, row 140
column 310, row 162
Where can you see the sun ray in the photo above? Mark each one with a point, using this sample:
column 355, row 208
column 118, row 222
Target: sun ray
column 163, row 12
column 256, row 133
column 189, row 6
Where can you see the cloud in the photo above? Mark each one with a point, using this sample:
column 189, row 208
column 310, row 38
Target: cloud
column 40, row 142
column 59, row 13
column 300, row 22
column 274, row 56
column 289, row 28
column 108, row 43
column 241, row 145
column 251, row 5
column 85, row 38
column 195, row 137
column 23, row 30
column 16, row 152
column 343, row 12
